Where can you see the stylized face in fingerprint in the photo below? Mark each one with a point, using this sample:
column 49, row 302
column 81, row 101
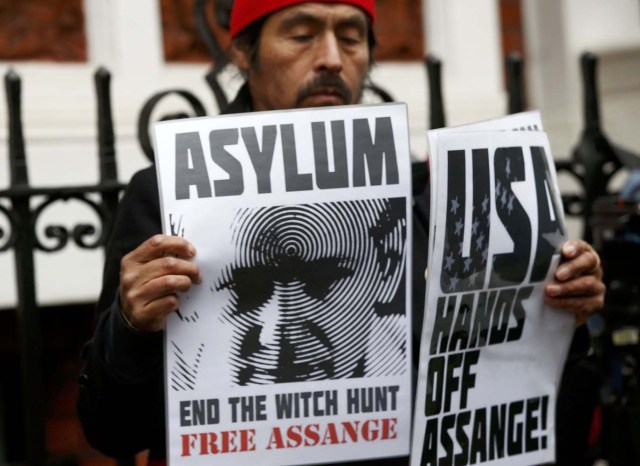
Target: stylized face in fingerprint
column 306, row 285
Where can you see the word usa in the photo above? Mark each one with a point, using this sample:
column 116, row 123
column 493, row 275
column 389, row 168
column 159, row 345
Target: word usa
column 476, row 271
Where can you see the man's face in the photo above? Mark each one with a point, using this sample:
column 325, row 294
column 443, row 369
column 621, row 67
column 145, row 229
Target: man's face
column 309, row 55
column 303, row 290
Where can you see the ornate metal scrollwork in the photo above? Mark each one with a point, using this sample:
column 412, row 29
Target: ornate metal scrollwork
column 573, row 203
column 144, row 119
column 594, row 159
column 8, row 243
column 17, row 206
column 81, row 234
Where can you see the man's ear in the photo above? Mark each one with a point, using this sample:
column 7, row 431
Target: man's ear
column 240, row 54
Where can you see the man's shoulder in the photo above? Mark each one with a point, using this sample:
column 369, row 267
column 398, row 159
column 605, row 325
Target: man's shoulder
column 143, row 189
column 241, row 103
column 145, row 176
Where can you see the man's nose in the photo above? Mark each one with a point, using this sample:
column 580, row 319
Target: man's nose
column 281, row 312
column 328, row 54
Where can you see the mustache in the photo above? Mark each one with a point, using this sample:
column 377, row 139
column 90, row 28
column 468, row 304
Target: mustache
column 326, row 81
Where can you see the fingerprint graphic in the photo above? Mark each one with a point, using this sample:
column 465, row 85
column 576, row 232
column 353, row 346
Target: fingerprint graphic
column 307, row 284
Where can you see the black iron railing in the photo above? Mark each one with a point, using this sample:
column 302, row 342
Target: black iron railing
column 594, row 159
column 27, row 205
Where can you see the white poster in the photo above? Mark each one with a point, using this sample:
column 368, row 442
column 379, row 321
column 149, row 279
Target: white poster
column 293, row 350
column 492, row 353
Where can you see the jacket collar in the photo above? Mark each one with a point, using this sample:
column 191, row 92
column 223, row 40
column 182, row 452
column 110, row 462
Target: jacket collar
column 242, row 102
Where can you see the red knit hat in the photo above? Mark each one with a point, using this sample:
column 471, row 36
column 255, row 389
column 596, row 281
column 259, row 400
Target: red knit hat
column 246, row 12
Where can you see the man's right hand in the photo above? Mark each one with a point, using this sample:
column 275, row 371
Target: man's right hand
column 150, row 278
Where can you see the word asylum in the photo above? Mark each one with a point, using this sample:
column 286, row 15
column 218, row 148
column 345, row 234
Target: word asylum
column 373, row 158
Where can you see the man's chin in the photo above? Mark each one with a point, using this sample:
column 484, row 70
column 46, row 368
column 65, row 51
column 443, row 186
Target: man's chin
column 322, row 100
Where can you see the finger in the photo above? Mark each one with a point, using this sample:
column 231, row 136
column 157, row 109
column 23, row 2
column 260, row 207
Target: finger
column 169, row 265
column 582, row 307
column 582, row 296
column 580, row 259
column 142, row 284
column 151, row 317
column 161, row 287
column 574, row 248
column 161, row 245
column 570, row 249
column 157, row 278
column 148, row 305
column 134, row 275
column 586, row 285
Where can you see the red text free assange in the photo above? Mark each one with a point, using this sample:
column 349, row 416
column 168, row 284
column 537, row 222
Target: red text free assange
column 295, row 436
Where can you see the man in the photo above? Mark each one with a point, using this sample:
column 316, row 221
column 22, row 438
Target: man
column 309, row 286
column 294, row 53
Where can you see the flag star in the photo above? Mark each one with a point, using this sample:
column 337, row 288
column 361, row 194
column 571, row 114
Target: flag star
column 510, row 204
column 480, row 242
column 474, row 227
column 454, row 206
column 454, row 283
column 485, row 204
column 472, row 278
column 503, row 198
column 467, row 264
column 448, row 262
column 508, row 168
column 459, row 226
column 498, row 188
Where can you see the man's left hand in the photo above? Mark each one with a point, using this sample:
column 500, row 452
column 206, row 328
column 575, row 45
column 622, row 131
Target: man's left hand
column 577, row 285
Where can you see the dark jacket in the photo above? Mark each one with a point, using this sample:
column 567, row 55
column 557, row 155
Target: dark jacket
column 121, row 399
